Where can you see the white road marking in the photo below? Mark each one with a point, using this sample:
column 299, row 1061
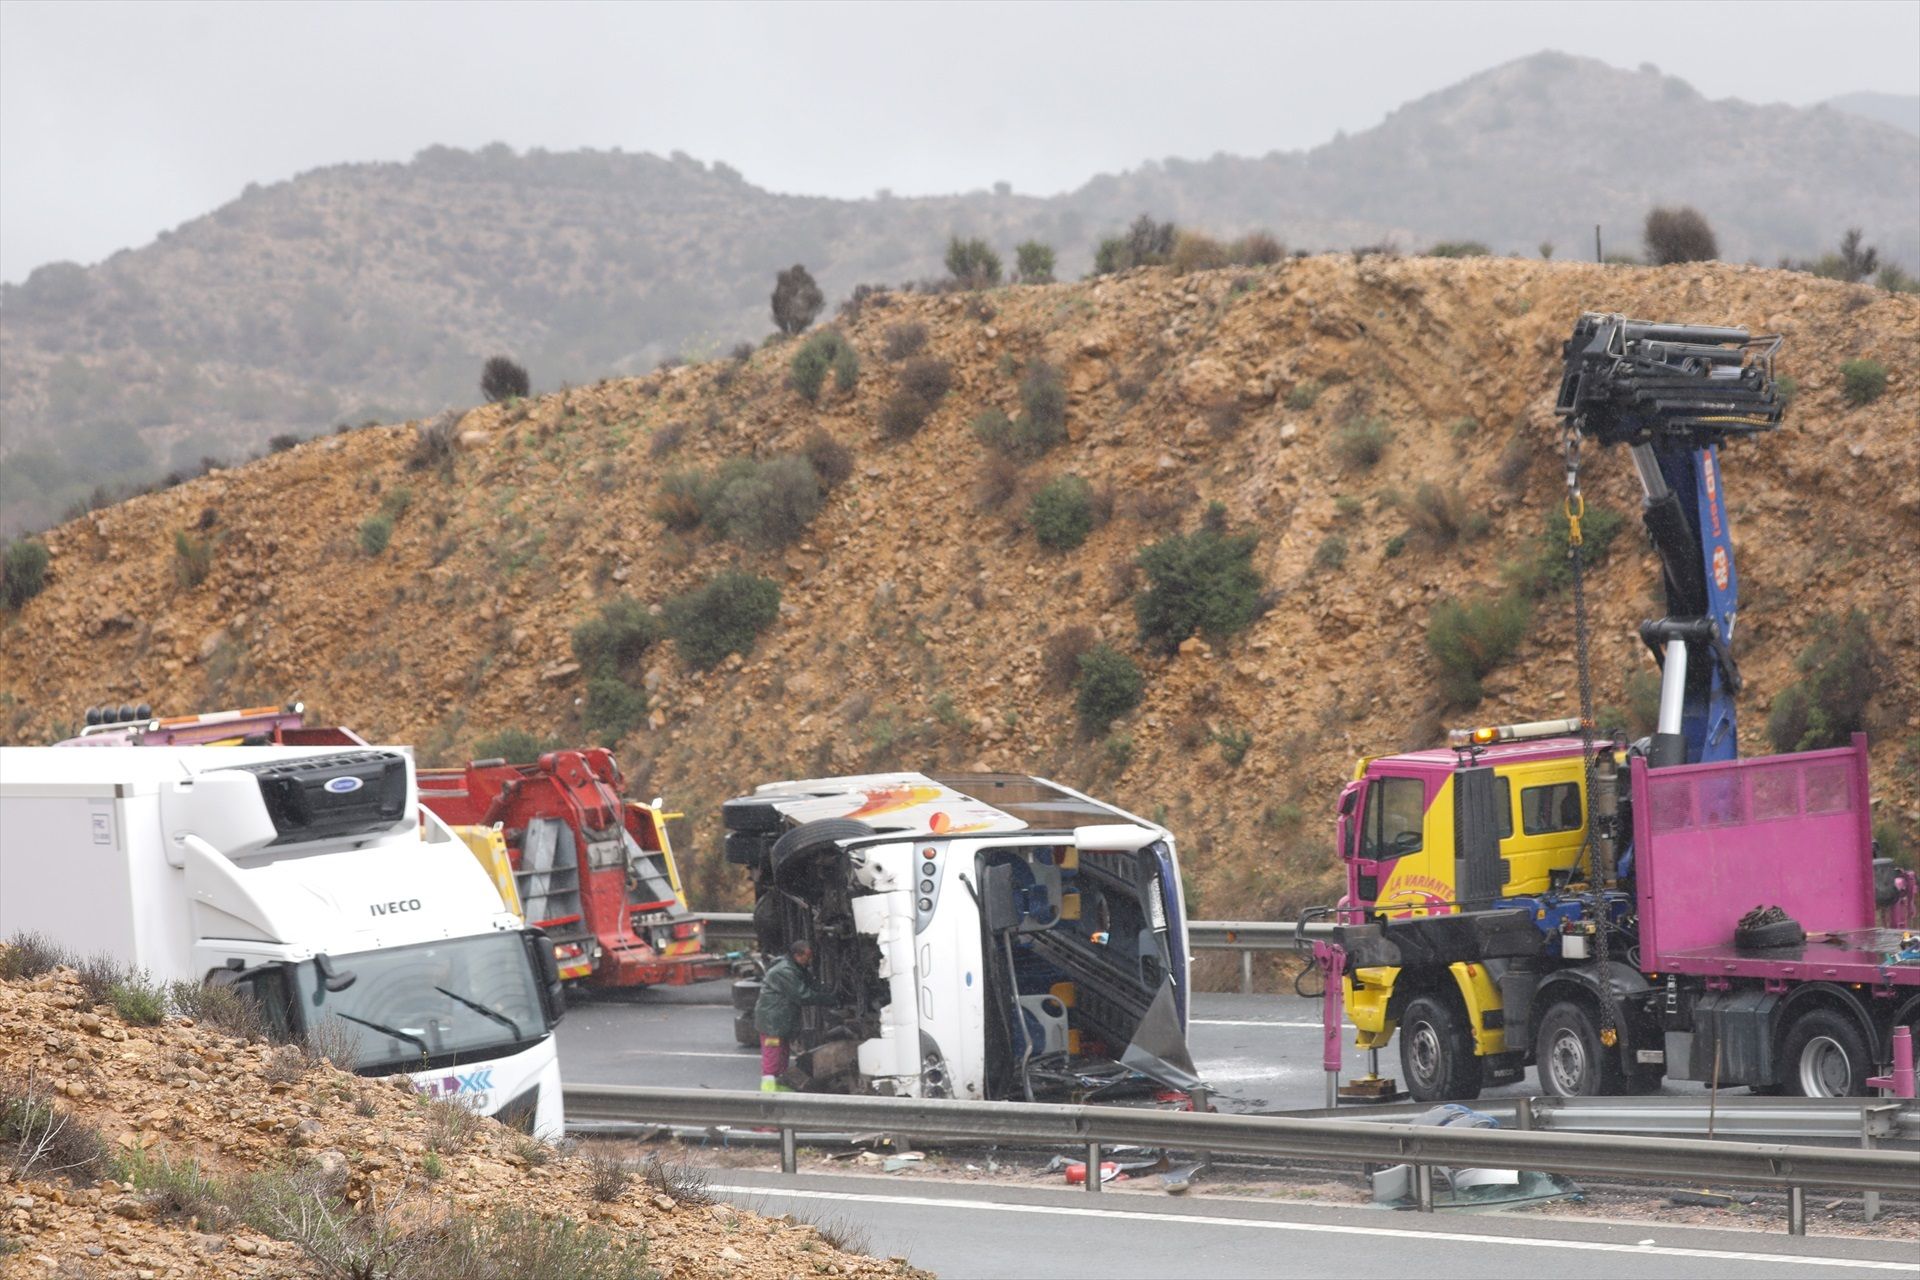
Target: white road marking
column 744, row 1054
column 1327, row 1228
column 1255, row 1022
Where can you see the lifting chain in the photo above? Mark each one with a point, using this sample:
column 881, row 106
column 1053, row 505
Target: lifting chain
column 1576, row 508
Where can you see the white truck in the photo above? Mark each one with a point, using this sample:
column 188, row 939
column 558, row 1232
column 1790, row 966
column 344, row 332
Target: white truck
column 309, row 877
column 982, row 935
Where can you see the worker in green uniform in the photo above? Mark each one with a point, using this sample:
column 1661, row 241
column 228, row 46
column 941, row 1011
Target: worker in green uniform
column 786, row 988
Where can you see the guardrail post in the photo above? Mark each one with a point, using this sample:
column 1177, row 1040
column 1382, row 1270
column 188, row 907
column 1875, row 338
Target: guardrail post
column 1876, row 1120
column 1093, row 1166
column 1423, row 1187
column 1796, row 1211
column 1202, row 1102
column 789, row 1158
column 1246, row 972
column 1523, row 1115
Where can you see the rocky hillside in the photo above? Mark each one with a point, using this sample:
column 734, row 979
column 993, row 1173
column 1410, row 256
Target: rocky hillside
column 375, row 291
column 182, row 1151
column 917, row 608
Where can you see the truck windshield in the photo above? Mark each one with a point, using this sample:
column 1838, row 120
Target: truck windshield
column 430, row 1005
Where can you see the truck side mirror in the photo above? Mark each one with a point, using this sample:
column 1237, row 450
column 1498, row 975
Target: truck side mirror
column 553, row 997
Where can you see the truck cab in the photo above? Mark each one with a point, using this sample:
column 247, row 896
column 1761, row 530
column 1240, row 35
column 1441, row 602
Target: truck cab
column 308, row 877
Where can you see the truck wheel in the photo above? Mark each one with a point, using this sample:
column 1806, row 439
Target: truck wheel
column 1824, row 1056
column 810, row 836
column 746, row 993
column 1436, row 1052
column 1572, row 1061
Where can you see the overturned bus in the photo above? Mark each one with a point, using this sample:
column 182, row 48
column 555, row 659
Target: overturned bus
column 981, row 935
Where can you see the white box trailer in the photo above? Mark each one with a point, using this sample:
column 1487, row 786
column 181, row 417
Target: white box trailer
column 308, row 877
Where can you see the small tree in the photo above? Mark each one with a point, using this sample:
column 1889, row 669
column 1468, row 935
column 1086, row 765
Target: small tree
column 1857, row 261
column 502, row 379
column 1679, row 235
column 973, row 263
column 796, row 300
column 1840, row 671
column 1110, row 686
column 23, row 571
column 1033, row 262
column 1150, row 242
column 1202, row 581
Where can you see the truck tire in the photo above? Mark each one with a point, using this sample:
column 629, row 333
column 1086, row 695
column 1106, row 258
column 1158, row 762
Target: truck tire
column 810, row 836
column 1571, row 1060
column 1436, row 1052
column 752, row 814
column 746, row 994
column 1823, row 1055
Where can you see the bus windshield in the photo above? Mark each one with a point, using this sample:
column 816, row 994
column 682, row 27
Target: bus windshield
column 429, row 1005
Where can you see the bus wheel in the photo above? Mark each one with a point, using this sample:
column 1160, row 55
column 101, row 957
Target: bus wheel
column 1436, row 1052
column 1571, row 1060
column 1824, row 1056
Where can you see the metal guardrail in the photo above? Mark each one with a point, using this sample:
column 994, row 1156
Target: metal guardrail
column 1677, row 1160
column 1740, row 1116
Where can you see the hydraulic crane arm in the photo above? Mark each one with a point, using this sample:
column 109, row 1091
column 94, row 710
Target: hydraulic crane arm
column 1673, row 393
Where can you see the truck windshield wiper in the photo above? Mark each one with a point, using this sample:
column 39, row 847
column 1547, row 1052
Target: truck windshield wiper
column 484, row 1011
column 395, row 1032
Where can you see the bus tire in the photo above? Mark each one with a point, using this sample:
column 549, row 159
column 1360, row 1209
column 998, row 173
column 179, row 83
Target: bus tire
column 1436, row 1052
column 1823, row 1055
column 746, row 993
column 1571, row 1060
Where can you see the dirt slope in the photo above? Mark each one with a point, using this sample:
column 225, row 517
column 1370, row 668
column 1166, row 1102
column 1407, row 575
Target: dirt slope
column 913, row 618
column 179, row 1092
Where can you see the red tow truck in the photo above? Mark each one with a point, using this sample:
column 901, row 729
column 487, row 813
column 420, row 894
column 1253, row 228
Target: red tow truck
column 593, row 870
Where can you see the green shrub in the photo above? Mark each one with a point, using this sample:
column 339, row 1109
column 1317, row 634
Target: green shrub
column 1330, row 554
column 1469, row 640
column 502, row 379
column 823, row 353
column 973, row 263
column 1060, row 656
column 1459, row 249
column 1033, row 262
column 1234, row 745
column 1395, row 545
column 1546, row 568
column 1118, row 750
column 515, row 746
column 613, row 643
column 1679, row 235
column 138, row 1000
column 1043, row 397
column 1301, row 395
column 725, row 616
column 1201, row 581
column 23, row 571
column 1021, row 438
column 395, row 502
column 1145, row 243
column 686, row 495
column 613, row 709
column 1840, row 670
column 28, row 955
column 1061, row 514
column 1110, row 685
column 1863, row 381
column 1361, row 441
column 375, row 532
column 770, row 507
column 192, row 558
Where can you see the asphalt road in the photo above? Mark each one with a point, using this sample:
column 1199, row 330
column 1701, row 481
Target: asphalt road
column 1260, row 1053
column 960, row 1230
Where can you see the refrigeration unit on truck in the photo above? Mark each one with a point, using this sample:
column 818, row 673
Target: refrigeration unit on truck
column 307, row 878
column 981, row 935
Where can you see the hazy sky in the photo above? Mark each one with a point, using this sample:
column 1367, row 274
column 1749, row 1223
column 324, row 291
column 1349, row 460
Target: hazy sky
column 120, row 120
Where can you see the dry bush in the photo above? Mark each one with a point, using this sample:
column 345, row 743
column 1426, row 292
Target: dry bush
column 902, row 340
column 608, row 1177
column 285, row 1065
column 678, row 1178
column 1224, row 417
column 667, row 439
column 332, row 1040
column 903, row 415
column 1679, row 235
column 222, row 1008
column 1442, row 515
column 831, row 460
column 28, row 955
column 999, row 480
column 1195, row 252
column 98, row 975
column 450, row 1126
column 1060, row 657
column 435, row 442
column 1257, row 249
column 40, row 1140
column 927, row 378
